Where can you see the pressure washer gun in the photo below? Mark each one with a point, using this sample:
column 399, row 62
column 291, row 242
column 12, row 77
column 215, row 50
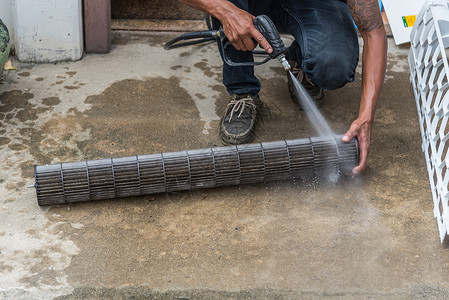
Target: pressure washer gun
column 267, row 28
column 262, row 23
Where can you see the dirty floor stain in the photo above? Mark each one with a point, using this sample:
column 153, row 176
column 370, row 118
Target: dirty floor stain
column 136, row 117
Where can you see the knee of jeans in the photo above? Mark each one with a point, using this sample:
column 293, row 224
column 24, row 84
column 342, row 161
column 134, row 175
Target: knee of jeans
column 331, row 72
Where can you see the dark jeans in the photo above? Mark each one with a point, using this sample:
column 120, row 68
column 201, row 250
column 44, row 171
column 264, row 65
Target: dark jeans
column 326, row 44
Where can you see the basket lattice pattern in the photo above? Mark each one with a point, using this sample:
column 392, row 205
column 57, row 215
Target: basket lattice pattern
column 429, row 77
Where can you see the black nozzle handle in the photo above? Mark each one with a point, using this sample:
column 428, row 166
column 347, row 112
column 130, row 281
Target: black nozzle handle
column 267, row 28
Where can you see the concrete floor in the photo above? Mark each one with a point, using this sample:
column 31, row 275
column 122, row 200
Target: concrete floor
column 367, row 237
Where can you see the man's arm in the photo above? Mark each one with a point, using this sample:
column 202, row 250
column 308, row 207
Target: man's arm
column 237, row 24
column 367, row 17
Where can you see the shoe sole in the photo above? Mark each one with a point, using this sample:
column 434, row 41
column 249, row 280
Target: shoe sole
column 228, row 140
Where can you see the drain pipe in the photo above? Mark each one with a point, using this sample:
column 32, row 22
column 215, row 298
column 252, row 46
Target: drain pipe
column 92, row 180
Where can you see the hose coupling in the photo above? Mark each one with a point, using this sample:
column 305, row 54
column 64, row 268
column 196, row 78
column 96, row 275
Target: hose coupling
column 284, row 62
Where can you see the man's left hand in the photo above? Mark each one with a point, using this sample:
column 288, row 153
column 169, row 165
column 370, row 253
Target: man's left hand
column 362, row 131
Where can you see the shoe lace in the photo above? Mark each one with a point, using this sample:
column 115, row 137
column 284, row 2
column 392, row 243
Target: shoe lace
column 240, row 104
column 301, row 75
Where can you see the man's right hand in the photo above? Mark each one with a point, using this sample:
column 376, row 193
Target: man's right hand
column 239, row 29
column 237, row 23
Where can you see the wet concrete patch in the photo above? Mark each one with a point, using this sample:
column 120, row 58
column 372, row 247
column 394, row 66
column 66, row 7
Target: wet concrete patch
column 51, row 101
column 17, row 147
column 71, row 87
column 208, row 70
column 20, row 110
column 4, row 140
column 16, row 104
column 55, row 142
column 200, row 96
column 137, row 117
column 130, row 117
column 278, row 70
column 24, row 74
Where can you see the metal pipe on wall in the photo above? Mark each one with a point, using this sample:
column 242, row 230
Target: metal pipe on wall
column 193, row 169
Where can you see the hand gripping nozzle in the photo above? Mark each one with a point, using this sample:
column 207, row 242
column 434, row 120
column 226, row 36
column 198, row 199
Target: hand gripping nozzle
column 267, row 28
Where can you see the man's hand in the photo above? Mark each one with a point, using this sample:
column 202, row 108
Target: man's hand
column 239, row 28
column 362, row 131
column 237, row 23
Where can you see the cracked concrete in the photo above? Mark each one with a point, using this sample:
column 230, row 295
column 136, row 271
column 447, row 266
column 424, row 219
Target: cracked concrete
column 367, row 237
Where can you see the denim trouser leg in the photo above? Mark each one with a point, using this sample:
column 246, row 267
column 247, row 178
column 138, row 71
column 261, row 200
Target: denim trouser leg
column 239, row 80
column 326, row 44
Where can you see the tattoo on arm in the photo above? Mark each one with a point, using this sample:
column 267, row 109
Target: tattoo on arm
column 366, row 14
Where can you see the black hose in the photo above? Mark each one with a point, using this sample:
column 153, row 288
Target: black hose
column 209, row 22
column 198, row 37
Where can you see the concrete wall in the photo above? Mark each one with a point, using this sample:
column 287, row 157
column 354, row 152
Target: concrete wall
column 154, row 9
column 48, row 30
column 7, row 17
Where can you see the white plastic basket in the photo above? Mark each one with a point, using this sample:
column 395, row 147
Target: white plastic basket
column 429, row 76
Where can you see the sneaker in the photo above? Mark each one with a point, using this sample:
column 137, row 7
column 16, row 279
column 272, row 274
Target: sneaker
column 314, row 91
column 238, row 124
